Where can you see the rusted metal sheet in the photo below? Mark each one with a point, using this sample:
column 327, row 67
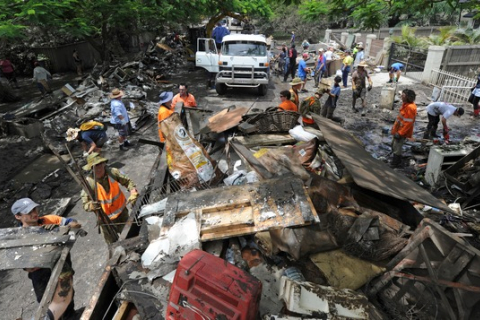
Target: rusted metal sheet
column 370, row 173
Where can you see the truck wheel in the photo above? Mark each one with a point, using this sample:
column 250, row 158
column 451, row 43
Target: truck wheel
column 221, row 88
column 262, row 89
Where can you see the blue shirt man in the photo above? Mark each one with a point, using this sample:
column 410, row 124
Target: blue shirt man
column 395, row 71
column 119, row 118
column 218, row 33
column 119, row 112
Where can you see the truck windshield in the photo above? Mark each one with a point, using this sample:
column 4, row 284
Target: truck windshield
column 244, row 48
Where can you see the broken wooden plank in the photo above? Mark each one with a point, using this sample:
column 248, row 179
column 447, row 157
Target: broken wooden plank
column 52, row 283
column 246, row 154
column 34, row 240
column 265, row 140
column 225, row 119
column 29, row 257
column 239, row 210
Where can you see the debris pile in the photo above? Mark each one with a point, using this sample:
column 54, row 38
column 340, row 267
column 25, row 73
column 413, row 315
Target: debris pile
column 313, row 222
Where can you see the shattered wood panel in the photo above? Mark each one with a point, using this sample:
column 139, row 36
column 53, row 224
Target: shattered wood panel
column 33, row 240
column 29, row 257
column 239, row 210
column 31, row 247
column 257, row 140
column 370, row 173
column 438, row 260
column 225, row 119
column 248, row 156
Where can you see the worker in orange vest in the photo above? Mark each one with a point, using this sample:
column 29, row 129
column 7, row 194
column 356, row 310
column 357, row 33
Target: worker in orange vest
column 403, row 127
column 110, row 198
column 165, row 110
column 312, row 105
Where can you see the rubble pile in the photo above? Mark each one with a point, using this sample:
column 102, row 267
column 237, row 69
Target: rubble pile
column 49, row 117
column 303, row 219
column 248, row 215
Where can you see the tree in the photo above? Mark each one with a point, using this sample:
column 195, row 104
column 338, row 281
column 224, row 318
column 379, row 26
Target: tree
column 371, row 14
column 101, row 22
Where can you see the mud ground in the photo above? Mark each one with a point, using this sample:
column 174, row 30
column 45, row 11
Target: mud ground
column 90, row 253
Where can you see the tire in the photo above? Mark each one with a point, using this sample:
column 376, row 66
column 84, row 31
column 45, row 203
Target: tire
column 221, row 88
column 262, row 89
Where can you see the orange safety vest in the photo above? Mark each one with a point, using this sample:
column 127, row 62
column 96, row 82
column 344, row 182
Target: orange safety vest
column 405, row 120
column 163, row 113
column 112, row 202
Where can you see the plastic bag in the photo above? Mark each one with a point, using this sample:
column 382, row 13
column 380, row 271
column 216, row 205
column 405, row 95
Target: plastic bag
column 301, row 135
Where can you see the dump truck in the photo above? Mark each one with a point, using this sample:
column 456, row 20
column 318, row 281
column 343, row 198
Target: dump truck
column 242, row 62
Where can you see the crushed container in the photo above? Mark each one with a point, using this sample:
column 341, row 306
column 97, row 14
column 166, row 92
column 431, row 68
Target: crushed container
column 207, row 287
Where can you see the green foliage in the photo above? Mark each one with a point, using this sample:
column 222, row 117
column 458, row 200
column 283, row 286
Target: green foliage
column 466, row 36
column 409, row 38
column 313, row 10
column 111, row 19
column 445, row 37
column 371, row 15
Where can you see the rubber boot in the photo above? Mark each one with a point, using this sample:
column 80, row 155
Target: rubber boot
column 396, row 161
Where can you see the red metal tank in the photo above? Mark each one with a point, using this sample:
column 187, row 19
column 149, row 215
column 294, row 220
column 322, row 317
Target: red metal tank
column 207, row 287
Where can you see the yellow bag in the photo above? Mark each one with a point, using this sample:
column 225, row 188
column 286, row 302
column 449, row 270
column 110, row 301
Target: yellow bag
column 92, row 125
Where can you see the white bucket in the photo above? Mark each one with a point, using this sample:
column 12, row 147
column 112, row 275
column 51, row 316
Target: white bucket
column 386, row 97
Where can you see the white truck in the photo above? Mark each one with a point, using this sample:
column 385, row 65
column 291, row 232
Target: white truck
column 242, row 62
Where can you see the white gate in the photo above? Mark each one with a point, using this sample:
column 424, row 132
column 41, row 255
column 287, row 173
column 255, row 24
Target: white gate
column 454, row 89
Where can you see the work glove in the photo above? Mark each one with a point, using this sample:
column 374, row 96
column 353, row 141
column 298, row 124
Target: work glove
column 397, row 136
column 445, row 130
column 85, row 154
column 369, row 87
column 93, row 206
column 133, row 197
column 49, row 227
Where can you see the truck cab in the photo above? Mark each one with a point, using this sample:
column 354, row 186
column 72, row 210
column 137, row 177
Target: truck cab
column 242, row 62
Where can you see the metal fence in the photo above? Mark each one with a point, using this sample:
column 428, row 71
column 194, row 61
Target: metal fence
column 412, row 58
column 463, row 60
column 450, row 87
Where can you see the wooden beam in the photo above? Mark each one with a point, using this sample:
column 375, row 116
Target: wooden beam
column 265, row 140
column 52, row 284
column 32, row 240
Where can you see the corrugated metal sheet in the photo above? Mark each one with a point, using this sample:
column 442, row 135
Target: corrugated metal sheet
column 370, row 173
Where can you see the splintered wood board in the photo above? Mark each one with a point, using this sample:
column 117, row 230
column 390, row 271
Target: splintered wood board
column 31, row 247
column 255, row 140
column 239, row 210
